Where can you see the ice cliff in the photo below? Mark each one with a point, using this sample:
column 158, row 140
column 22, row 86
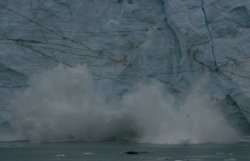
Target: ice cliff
column 125, row 41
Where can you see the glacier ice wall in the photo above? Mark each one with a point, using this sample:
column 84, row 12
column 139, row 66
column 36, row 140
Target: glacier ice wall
column 126, row 41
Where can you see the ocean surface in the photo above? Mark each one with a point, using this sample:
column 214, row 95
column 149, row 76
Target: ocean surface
column 106, row 151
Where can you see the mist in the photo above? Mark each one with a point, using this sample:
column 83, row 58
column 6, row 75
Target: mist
column 62, row 104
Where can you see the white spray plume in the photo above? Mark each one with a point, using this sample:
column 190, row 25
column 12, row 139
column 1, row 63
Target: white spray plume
column 62, row 105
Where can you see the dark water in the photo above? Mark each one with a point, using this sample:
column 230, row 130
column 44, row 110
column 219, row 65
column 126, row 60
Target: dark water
column 117, row 152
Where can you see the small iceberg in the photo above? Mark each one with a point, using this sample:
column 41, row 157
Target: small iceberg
column 60, row 155
column 87, row 153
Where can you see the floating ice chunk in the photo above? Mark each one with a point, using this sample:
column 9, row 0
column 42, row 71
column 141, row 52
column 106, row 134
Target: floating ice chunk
column 87, row 153
column 60, row 155
column 220, row 153
column 230, row 159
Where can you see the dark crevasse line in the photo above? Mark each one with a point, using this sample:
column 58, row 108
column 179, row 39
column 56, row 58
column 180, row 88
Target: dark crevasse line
column 210, row 34
column 228, row 97
column 172, row 31
column 215, row 69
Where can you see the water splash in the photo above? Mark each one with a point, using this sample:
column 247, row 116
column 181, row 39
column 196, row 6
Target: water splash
column 63, row 105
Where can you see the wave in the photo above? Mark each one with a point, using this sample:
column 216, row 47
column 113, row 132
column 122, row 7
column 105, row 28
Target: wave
column 63, row 104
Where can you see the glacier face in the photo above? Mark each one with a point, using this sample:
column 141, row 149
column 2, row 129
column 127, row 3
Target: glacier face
column 125, row 41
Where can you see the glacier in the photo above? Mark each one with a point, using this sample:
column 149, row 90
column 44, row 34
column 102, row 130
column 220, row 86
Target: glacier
column 127, row 41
